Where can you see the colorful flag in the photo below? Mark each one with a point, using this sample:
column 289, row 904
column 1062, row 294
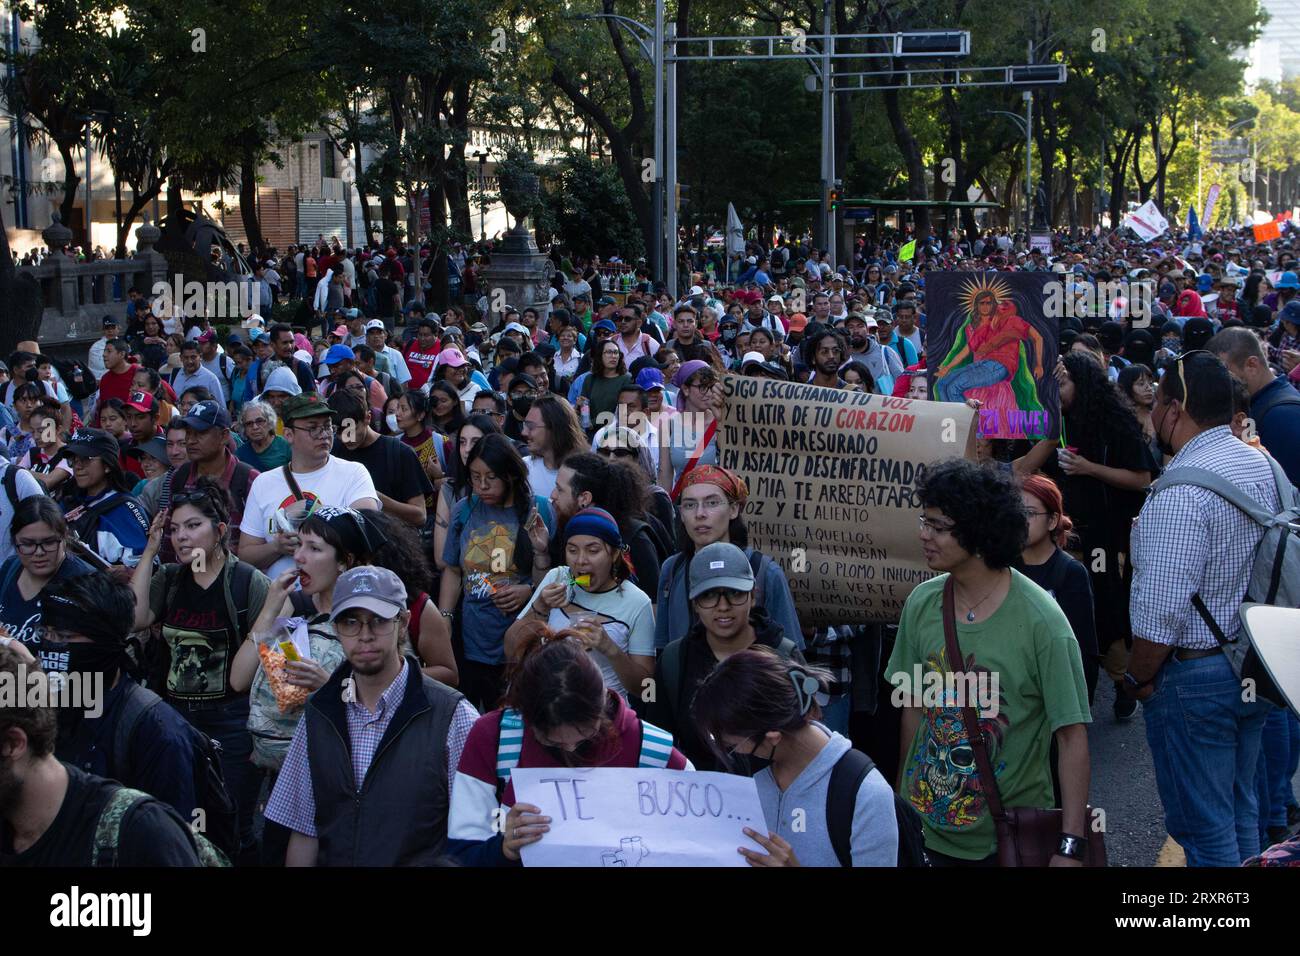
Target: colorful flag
column 1147, row 221
column 1210, row 199
column 1267, row 232
column 1193, row 227
column 908, row 250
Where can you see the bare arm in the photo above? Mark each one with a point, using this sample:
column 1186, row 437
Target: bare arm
column 366, row 504
column 1072, row 764
column 412, row 512
column 449, row 588
column 442, row 521
column 435, row 646
column 302, row 850
column 1035, row 458
column 261, row 553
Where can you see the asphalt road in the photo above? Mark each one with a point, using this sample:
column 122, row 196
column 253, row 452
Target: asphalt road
column 1124, row 786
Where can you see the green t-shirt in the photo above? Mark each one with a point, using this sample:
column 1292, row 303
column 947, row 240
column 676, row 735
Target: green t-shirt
column 1031, row 684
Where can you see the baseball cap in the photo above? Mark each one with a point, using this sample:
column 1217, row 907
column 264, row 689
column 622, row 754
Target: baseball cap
column 375, row 589
column 516, row 327
column 605, row 300
column 110, row 322
column 208, row 336
column 479, row 327
column 798, row 322
column 141, row 402
column 650, row 379
column 92, row 443
column 155, row 448
column 752, row 358
column 353, row 313
column 719, row 565
column 451, row 357
column 205, row 415
column 257, row 335
column 339, row 353
column 605, row 324
column 305, row 405
column 1291, row 312
column 341, row 331
column 695, row 290
column 377, row 324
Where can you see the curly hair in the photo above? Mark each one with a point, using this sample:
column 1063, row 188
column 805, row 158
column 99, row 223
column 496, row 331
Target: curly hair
column 984, row 505
column 401, row 552
column 1099, row 416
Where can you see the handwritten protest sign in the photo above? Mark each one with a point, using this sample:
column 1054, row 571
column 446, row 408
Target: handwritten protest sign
column 618, row 817
column 832, row 480
column 989, row 338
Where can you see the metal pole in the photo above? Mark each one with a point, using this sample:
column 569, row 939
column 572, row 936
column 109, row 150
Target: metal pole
column 657, row 199
column 1029, row 163
column 89, row 195
column 670, row 165
column 828, row 136
column 1254, row 173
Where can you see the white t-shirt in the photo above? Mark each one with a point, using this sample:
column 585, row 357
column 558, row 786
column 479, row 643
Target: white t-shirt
column 540, row 478
column 625, row 613
column 340, row 483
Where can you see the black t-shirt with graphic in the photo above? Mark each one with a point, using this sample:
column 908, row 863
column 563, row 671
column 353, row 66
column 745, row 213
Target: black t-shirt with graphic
column 200, row 636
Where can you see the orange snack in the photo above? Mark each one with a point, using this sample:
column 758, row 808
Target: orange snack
column 288, row 697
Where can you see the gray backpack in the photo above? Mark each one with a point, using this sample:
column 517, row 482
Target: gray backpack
column 1275, row 574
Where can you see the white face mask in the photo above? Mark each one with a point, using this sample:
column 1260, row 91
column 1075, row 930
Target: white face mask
column 391, row 419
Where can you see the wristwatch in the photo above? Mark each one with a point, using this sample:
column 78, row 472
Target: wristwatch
column 1135, row 683
column 1072, row 847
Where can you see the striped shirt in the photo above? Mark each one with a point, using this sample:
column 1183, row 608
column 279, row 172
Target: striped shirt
column 293, row 804
column 1188, row 540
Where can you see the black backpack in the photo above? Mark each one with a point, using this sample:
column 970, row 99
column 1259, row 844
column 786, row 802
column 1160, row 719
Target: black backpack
column 11, row 485
column 220, row 823
column 841, row 797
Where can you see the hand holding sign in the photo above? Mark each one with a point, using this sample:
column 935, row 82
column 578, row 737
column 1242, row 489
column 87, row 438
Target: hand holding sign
column 619, row 817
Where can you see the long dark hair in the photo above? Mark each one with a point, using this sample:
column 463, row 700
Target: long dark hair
column 37, row 509
column 1099, row 415
column 457, row 473
column 499, row 454
column 211, row 499
column 457, row 408
column 401, row 552
column 562, row 422
column 753, row 692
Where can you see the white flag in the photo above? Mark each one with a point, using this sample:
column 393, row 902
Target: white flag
column 1146, row 221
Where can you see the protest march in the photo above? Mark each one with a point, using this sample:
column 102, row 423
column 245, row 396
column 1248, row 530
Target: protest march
column 877, row 533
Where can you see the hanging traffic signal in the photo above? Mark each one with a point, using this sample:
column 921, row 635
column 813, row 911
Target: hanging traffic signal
column 832, row 199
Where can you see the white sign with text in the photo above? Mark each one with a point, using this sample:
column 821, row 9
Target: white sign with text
column 625, row 817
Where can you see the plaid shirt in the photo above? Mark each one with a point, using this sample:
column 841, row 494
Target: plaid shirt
column 1189, row 541
column 830, row 649
column 293, row 804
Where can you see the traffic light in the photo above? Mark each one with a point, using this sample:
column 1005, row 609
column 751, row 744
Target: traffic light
column 832, row 199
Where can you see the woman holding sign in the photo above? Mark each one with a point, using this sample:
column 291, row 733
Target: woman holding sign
column 558, row 712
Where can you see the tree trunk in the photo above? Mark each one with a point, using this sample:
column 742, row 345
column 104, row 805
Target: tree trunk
column 457, row 175
column 71, row 183
column 248, row 203
column 907, row 145
column 388, row 215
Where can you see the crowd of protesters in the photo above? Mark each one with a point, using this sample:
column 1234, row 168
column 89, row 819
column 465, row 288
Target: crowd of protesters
column 377, row 552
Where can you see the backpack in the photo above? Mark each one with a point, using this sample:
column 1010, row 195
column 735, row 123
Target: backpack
column 11, row 485
column 841, row 798
column 108, row 831
column 86, row 525
column 1280, row 397
column 656, row 747
column 236, row 585
column 1275, row 573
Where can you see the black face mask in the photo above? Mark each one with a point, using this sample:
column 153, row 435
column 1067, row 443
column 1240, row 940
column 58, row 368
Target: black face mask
column 95, row 657
column 751, row 764
column 522, row 404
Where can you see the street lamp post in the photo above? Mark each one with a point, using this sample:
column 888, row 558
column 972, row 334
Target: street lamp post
column 482, row 157
column 1027, row 128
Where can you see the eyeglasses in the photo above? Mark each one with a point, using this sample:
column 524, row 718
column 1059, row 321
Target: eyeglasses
column 702, row 382
column 927, row 525
column 710, row 599
column 45, row 545
column 254, row 422
column 316, row 431
column 617, row 452
column 189, row 498
column 352, row 626
column 1036, row 514
column 692, row 505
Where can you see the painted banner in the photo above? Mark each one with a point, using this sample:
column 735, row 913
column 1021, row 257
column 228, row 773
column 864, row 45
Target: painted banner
column 832, row 480
column 1267, row 232
column 1211, row 198
column 622, row 817
column 988, row 339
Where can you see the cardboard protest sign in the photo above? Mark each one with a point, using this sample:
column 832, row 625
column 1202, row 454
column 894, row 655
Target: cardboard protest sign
column 988, row 338
column 832, row 480
column 619, row 817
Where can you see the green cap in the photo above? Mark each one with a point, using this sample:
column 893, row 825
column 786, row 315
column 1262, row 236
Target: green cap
column 306, row 405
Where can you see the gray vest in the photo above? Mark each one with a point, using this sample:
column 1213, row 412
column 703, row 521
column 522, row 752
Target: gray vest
column 399, row 816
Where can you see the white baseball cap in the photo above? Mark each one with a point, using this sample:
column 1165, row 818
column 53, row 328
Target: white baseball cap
column 376, row 324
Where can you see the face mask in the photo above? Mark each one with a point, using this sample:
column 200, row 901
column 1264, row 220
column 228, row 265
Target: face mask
column 62, row 656
column 391, row 420
column 521, row 404
column 728, row 335
column 750, row 765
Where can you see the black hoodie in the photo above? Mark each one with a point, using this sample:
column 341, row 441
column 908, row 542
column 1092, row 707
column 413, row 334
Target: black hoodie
column 671, row 708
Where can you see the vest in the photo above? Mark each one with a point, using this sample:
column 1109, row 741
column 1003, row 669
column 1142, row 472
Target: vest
column 399, row 816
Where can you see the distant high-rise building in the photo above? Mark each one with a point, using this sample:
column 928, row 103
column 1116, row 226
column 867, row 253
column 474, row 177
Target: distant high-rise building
column 1276, row 54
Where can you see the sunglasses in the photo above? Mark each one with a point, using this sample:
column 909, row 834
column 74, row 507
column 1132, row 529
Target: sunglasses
column 1177, row 369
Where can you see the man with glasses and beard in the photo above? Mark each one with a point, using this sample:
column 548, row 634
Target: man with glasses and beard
column 319, row 795
column 314, row 476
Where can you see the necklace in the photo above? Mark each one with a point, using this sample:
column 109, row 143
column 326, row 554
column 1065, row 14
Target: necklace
column 970, row 610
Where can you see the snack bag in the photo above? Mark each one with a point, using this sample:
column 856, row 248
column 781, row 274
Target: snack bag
column 274, row 650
